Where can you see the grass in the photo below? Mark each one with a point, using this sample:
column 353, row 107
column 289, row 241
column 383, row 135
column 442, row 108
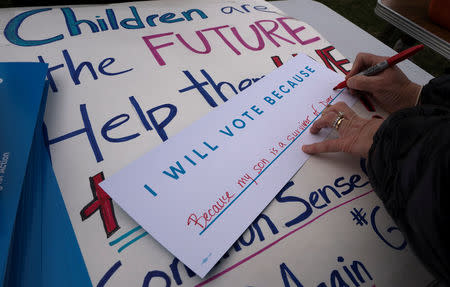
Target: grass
column 360, row 12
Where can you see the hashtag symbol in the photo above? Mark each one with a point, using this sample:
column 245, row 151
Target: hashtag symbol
column 359, row 216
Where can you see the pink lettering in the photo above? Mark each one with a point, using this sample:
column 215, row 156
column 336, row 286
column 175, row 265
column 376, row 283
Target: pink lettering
column 154, row 49
column 202, row 37
column 217, row 30
column 269, row 33
column 261, row 43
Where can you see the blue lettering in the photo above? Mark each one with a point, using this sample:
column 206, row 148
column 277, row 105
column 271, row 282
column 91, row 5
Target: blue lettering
column 108, row 274
column 337, row 184
column 168, row 18
column 269, row 100
column 323, row 192
column 140, row 113
column 73, row 24
column 228, row 132
column 176, row 273
column 245, row 114
column 304, row 73
column 285, row 272
column 355, row 267
column 12, row 30
column 102, row 24
column 109, row 125
column 241, row 125
column 304, row 215
column 250, row 240
column 314, row 198
column 136, row 19
column 276, row 95
column 355, row 178
column 202, row 156
column 292, row 84
column 199, row 87
column 174, row 171
column 247, row 83
column 218, row 87
column 210, row 147
column 75, row 73
column 188, row 14
column 105, row 63
column 283, row 90
column 112, row 19
column 159, row 127
column 257, row 110
column 87, row 129
column 190, row 160
column 155, row 274
column 269, row 222
column 298, row 78
column 389, row 230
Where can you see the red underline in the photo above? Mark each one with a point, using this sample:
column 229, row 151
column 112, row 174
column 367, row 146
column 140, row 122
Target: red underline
column 276, row 241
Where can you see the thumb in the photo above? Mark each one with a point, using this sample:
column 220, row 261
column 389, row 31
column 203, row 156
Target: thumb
column 361, row 83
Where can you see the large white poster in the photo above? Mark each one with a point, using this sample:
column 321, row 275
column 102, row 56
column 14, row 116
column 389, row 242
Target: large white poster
column 126, row 77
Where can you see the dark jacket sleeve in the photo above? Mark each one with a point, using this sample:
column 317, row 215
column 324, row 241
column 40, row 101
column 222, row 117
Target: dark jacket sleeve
column 409, row 168
column 436, row 92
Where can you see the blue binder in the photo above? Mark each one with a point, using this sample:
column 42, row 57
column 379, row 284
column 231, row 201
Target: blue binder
column 39, row 247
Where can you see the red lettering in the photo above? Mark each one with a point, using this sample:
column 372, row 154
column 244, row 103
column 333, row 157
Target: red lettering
column 328, row 59
column 229, row 196
column 220, row 203
column 194, row 218
column 213, row 211
column 103, row 203
column 243, row 180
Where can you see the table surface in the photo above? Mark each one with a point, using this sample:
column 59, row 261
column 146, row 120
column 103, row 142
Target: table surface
column 348, row 38
column 417, row 12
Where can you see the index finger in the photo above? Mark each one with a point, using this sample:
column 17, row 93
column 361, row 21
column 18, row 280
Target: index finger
column 333, row 145
column 364, row 61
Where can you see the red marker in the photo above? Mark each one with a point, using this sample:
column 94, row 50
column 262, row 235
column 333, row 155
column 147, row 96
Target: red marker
column 380, row 67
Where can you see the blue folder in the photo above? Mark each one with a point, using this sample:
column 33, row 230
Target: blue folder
column 42, row 249
column 21, row 90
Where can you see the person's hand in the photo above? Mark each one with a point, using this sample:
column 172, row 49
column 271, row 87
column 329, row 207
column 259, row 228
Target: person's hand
column 355, row 133
column 391, row 89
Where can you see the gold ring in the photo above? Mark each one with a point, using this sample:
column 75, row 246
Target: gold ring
column 337, row 122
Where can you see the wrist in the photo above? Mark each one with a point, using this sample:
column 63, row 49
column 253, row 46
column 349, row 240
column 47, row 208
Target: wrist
column 371, row 129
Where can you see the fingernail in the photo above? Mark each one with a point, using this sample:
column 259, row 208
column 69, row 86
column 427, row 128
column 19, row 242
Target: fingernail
column 349, row 82
column 305, row 148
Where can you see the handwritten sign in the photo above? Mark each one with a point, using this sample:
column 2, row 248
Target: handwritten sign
column 125, row 78
column 205, row 186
